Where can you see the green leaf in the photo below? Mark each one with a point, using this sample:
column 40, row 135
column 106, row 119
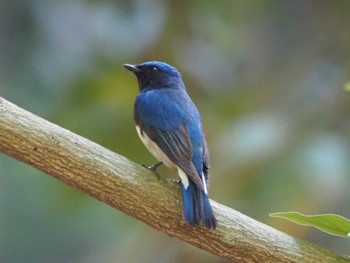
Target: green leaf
column 329, row 223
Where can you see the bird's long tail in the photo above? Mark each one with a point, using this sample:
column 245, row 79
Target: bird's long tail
column 196, row 207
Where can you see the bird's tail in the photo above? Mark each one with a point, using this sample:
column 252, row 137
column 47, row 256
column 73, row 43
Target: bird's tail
column 196, row 207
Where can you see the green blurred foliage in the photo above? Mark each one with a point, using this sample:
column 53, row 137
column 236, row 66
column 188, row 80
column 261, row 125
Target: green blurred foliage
column 267, row 77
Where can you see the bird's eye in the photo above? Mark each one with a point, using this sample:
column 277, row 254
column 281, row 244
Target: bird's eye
column 154, row 69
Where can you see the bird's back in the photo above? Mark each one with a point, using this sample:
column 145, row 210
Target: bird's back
column 166, row 108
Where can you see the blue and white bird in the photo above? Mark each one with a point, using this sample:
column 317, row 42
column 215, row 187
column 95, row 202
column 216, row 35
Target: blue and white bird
column 170, row 127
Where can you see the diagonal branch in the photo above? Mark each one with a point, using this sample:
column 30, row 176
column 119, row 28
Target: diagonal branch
column 115, row 180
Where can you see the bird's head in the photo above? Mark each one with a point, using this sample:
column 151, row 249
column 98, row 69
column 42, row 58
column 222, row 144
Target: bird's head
column 156, row 75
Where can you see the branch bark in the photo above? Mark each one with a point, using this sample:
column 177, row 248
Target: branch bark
column 115, row 180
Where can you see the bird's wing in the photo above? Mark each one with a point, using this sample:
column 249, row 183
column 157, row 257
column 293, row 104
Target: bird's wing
column 206, row 163
column 177, row 146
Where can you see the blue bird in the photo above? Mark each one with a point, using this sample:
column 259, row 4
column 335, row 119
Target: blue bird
column 170, row 127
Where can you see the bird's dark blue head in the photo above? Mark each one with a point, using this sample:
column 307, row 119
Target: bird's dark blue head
column 156, row 75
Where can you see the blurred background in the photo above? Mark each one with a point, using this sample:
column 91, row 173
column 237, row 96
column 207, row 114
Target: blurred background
column 267, row 77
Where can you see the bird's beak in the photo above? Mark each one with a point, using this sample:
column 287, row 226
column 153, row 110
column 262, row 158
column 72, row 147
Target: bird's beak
column 132, row 68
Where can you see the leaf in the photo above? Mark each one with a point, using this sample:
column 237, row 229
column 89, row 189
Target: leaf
column 329, row 223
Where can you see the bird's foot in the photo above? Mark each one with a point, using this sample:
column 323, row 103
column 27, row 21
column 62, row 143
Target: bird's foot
column 153, row 168
column 174, row 181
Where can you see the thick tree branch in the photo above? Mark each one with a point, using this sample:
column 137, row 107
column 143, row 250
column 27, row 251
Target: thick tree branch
column 115, row 180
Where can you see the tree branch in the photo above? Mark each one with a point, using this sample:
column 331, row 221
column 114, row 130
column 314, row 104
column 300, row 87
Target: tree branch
column 115, row 180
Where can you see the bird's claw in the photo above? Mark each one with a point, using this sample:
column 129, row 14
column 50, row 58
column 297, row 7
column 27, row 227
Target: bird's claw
column 153, row 168
column 174, row 181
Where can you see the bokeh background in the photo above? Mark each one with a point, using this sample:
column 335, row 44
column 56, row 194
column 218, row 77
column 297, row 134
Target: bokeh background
column 267, row 77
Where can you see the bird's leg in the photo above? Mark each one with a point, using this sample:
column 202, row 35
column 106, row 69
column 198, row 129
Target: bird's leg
column 153, row 168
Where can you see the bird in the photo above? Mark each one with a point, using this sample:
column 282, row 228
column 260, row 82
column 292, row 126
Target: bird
column 170, row 126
